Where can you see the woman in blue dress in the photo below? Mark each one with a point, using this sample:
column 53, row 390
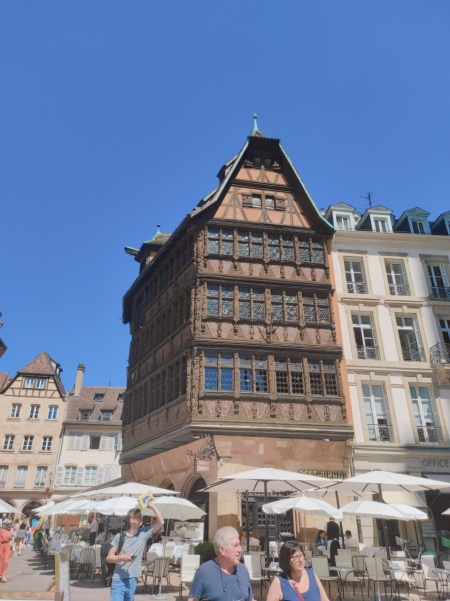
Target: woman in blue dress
column 295, row 583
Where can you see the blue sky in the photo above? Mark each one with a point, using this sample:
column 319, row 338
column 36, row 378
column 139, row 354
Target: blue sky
column 116, row 116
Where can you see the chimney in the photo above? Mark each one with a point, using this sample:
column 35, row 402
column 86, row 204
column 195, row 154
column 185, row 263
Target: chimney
column 79, row 380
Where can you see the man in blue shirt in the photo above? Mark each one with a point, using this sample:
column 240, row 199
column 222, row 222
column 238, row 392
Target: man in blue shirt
column 223, row 578
column 129, row 561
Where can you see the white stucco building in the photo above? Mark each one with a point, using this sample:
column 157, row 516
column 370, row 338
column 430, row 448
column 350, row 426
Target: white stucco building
column 392, row 281
column 91, row 438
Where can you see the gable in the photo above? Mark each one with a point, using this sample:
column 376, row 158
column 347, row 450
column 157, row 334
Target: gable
column 262, row 186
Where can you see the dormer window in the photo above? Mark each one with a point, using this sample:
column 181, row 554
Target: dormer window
column 84, row 415
column 106, row 416
column 380, row 225
column 342, row 222
column 98, row 397
column 120, row 396
column 418, row 226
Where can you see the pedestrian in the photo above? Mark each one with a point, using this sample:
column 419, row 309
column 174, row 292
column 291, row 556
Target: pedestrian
column 6, row 536
column 129, row 560
column 21, row 535
column 332, row 530
column 295, row 583
column 350, row 542
column 223, row 578
column 93, row 527
column 47, row 527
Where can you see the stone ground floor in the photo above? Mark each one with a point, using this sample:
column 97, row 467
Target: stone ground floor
column 26, row 574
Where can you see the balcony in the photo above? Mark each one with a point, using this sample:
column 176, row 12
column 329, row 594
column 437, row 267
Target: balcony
column 39, row 485
column 440, row 292
column 357, row 287
column 413, row 354
column 380, row 433
column 399, row 289
column 429, row 434
column 19, row 484
column 367, row 352
column 440, row 359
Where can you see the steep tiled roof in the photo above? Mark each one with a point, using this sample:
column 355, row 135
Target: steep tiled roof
column 42, row 364
column 3, row 378
column 86, row 401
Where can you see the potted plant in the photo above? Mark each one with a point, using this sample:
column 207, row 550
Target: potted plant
column 205, row 550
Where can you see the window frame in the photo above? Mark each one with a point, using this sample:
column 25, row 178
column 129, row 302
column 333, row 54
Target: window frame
column 49, row 412
column 353, row 283
column 47, row 441
column 15, row 405
column 259, row 374
column 218, row 363
column 8, row 442
column 34, row 412
column 40, row 482
column 395, row 288
column 73, row 470
column 424, row 430
column 386, row 415
column 27, row 443
column 366, row 353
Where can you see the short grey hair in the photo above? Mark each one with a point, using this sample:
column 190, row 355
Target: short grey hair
column 222, row 537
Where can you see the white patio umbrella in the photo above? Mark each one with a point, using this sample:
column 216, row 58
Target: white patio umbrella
column 118, row 506
column 58, row 508
column 264, row 480
column 410, row 512
column 373, row 509
column 129, row 489
column 176, row 508
column 306, row 505
column 7, row 508
column 378, row 480
column 44, row 507
column 446, row 512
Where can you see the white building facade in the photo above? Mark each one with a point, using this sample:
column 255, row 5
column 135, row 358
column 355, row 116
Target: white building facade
column 392, row 281
column 91, row 438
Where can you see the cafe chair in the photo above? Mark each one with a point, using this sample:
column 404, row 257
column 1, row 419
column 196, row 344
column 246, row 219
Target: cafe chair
column 320, row 567
column 188, row 567
column 253, row 565
column 376, row 574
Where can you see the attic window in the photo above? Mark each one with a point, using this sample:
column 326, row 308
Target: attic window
column 106, row 416
column 84, row 414
column 120, row 396
column 98, row 397
column 418, row 226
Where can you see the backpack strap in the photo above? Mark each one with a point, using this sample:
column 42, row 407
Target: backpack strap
column 121, row 541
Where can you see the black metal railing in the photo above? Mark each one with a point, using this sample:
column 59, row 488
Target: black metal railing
column 429, row 434
column 357, row 287
column 413, row 354
column 440, row 292
column 368, row 352
column 39, row 485
column 380, row 433
column 399, row 289
column 440, row 353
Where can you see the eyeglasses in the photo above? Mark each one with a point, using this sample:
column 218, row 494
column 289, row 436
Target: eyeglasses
column 297, row 557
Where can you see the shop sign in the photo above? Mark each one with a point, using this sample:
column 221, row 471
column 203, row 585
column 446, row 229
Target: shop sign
column 436, row 463
column 202, row 465
column 325, row 474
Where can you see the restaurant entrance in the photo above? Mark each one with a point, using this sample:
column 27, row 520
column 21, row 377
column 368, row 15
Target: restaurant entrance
column 278, row 524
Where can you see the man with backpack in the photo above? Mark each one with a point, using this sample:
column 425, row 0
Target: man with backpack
column 126, row 553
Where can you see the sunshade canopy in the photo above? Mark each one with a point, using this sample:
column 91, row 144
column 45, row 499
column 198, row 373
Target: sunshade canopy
column 175, row 508
column 373, row 481
column 374, row 509
column 7, row 508
column 303, row 505
column 270, row 479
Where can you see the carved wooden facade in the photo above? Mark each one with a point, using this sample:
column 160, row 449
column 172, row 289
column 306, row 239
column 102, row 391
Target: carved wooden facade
column 232, row 321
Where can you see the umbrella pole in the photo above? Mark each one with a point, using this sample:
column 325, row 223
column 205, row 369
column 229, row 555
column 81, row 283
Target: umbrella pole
column 385, row 528
column 267, row 526
column 340, row 522
column 247, row 521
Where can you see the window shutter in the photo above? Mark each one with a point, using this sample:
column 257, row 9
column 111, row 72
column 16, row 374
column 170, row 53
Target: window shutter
column 103, row 443
column 119, row 442
column 79, row 475
column 59, row 475
column 113, row 472
column 71, row 443
column 444, row 275
column 280, row 204
column 246, row 200
column 111, row 442
column 85, row 443
column 100, row 471
column 107, row 473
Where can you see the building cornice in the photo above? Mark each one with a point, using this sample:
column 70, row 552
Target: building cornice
column 401, row 240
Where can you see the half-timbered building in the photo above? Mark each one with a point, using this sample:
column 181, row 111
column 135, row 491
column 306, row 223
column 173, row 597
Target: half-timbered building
column 235, row 359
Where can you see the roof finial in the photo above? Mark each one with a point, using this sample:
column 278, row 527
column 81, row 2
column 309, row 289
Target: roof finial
column 255, row 124
column 158, row 226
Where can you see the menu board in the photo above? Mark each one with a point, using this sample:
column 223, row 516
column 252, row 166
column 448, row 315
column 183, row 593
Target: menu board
column 428, row 530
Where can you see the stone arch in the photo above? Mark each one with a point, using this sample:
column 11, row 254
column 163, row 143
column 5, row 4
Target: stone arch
column 30, row 506
column 168, row 484
column 201, row 499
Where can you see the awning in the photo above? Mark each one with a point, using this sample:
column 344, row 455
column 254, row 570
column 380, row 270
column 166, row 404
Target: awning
column 407, row 498
column 441, row 477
